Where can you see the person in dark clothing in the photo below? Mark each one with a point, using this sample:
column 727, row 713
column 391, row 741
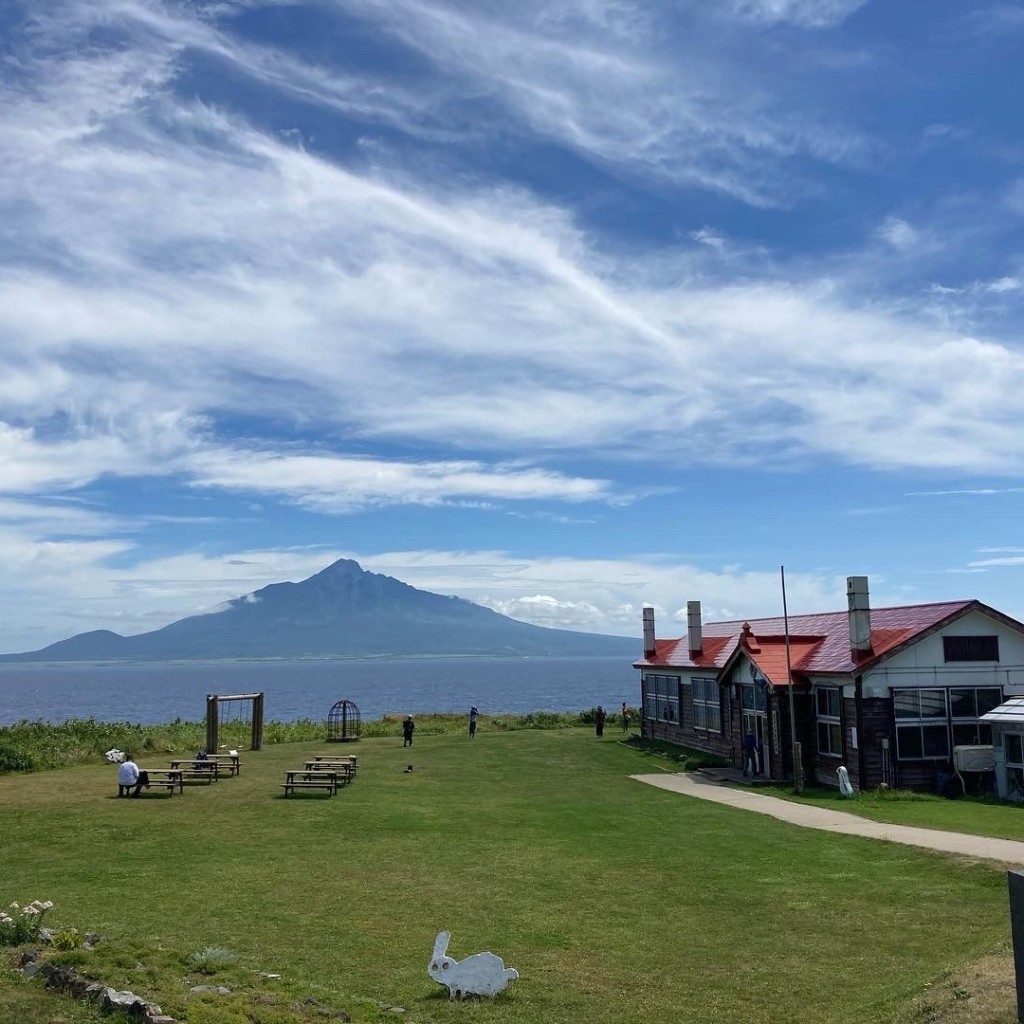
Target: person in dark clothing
column 473, row 716
column 407, row 729
column 599, row 717
column 749, row 754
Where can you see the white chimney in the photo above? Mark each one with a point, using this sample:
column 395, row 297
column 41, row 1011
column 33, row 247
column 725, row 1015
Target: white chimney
column 693, row 626
column 860, row 615
column 648, row 632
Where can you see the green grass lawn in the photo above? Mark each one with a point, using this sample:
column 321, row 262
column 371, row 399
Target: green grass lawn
column 975, row 815
column 614, row 900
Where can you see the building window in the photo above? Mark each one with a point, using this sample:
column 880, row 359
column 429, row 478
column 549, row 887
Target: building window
column 830, row 727
column 929, row 723
column 970, row 648
column 752, row 698
column 707, row 705
column 966, row 706
column 661, row 698
column 922, row 724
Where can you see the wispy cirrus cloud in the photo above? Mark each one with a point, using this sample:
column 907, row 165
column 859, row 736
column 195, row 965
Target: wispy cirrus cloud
column 805, row 13
column 146, row 304
column 981, row 492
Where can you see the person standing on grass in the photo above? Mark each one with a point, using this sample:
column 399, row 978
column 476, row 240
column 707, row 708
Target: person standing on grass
column 599, row 717
column 625, row 718
column 128, row 775
column 407, row 729
column 473, row 716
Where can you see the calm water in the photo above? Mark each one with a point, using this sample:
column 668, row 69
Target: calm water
column 307, row 689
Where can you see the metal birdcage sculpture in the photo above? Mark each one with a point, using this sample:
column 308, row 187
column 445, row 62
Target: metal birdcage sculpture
column 343, row 722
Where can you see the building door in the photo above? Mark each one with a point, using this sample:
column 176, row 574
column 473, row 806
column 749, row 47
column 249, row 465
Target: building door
column 756, row 722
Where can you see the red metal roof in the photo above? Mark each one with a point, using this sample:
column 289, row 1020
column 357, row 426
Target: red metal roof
column 770, row 657
column 818, row 643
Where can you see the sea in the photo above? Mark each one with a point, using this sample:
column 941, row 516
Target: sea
column 151, row 693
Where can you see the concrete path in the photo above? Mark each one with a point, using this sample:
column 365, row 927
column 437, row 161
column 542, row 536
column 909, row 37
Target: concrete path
column 1007, row 851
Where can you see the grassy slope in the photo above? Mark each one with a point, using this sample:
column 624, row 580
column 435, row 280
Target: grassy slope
column 615, row 901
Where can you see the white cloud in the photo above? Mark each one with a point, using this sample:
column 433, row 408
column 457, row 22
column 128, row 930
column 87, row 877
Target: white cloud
column 805, row 13
column 1011, row 561
column 899, row 234
column 597, row 78
column 171, row 266
column 336, row 484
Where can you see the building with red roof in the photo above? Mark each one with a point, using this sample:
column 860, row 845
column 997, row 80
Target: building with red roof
column 886, row 693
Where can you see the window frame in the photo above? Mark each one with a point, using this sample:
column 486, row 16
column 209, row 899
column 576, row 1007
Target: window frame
column 704, row 707
column 970, row 647
column 661, row 694
column 828, row 725
column 925, row 726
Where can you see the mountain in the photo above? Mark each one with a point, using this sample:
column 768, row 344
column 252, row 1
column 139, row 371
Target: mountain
column 341, row 611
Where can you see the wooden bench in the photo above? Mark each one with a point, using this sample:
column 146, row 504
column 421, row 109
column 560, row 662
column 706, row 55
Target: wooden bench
column 201, row 768
column 296, row 779
column 159, row 778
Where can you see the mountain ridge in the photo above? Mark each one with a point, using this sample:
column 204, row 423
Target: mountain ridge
column 340, row 611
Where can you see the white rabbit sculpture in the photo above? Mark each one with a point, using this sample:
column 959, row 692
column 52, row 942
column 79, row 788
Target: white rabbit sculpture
column 482, row 974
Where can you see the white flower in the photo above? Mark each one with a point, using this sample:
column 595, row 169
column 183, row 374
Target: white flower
column 46, row 905
column 29, row 911
column 15, row 906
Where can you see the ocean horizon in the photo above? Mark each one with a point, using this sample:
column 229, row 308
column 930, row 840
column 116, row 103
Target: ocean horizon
column 153, row 692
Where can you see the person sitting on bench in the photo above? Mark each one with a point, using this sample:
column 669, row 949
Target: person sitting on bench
column 128, row 776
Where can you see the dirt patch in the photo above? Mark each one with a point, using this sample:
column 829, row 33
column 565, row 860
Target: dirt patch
column 980, row 993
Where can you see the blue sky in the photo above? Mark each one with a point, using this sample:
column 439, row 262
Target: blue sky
column 564, row 307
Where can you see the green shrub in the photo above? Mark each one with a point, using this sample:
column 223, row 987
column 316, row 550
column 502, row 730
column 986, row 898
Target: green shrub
column 67, row 939
column 14, row 760
column 212, row 959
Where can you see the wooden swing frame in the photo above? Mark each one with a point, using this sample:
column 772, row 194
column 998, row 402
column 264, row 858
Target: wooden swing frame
column 213, row 703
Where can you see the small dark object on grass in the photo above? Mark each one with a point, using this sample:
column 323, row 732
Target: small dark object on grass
column 407, row 769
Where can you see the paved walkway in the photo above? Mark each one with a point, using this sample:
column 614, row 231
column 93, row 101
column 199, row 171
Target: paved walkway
column 1008, row 851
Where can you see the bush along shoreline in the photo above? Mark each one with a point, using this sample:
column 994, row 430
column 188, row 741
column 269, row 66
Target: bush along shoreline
column 30, row 746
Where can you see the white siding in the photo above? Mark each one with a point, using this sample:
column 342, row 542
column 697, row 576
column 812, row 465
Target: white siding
column 923, row 664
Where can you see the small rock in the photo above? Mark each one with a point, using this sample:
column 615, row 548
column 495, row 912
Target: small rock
column 221, row 990
column 112, row 1000
column 32, row 968
column 29, row 956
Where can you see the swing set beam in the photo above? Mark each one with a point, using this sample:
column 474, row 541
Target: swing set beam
column 213, row 703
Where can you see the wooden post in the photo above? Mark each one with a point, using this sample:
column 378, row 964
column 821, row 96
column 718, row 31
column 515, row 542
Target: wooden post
column 257, row 722
column 1016, row 884
column 212, row 716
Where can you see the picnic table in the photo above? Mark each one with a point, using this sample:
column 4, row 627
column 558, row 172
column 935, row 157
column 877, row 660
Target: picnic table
column 162, row 778
column 345, row 768
column 310, row 779
column 336, row 758
column 197, row 768
column 231, row 763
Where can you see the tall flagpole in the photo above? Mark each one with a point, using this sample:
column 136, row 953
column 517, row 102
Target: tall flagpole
column 798, row 771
